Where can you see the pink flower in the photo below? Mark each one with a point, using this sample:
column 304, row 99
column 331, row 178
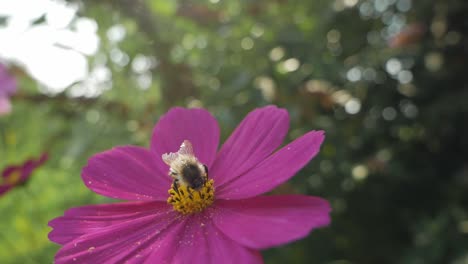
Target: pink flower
column 7, row 89
column 222, row 219
column 16, row 175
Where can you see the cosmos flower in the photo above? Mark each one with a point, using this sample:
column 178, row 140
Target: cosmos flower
column 17, row 175
column 217, row 216
column 7, row 89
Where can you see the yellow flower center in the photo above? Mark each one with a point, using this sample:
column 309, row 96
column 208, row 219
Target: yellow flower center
column 187, row 200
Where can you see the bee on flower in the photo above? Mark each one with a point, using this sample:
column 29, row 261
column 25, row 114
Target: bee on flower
column 189, row 202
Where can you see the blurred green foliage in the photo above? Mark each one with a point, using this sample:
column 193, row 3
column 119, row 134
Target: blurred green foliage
column 386, row 80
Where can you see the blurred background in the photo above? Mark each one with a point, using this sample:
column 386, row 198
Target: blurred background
column 386, row 79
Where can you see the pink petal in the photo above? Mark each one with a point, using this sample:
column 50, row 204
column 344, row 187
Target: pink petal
column 25, row 169
column 7, row 82
column 87, row 219
column 274, row 170
column 129, row 173
column 268, row 221
column 9, row 170
column 201, row 243
column 4, row 189
column 179, row 124
column 130, row 241
column 5, row 105
column 257, row 136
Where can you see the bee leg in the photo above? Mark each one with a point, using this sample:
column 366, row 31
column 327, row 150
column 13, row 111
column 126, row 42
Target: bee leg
column 176, row 185
column 189, row 190
column 173, row 173
column 206, row 171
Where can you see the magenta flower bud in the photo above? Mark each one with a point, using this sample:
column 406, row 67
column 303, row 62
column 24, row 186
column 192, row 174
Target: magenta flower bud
column 17, row 175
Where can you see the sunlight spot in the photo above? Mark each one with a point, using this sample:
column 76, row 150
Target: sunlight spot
column 142, row 63
column 389, row 113
column 353, row 106
column 403, row 5
column 116, row 33
column 354, row 74
column 277, row 54
column 247, row 43
column 144, row 80
column 291, row 64
column 350, row 3
column 407, row 89
column 44, row 49
column 433, row 61
column 360, row 172
column 409, row 109
column 118, row 57
column 405, row 77
column 393, row 66
column 333, row 36
column 60, row 14
column 267, row 86
column 257, row 31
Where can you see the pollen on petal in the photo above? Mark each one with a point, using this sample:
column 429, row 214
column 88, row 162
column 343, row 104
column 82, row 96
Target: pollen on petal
column 187, row 200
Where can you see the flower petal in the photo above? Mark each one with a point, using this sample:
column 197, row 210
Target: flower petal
column 130, row 241
column 128, row 173
column 87, row 219
column 200, row 242
column 268, row 221
column 5, row 105
column 257, row 136
column 274, row 170
column 30, row 165
column 7, row 82
column 179, row 124
column 4, row 189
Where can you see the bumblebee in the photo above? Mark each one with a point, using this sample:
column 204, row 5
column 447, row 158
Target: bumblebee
column 185, row 168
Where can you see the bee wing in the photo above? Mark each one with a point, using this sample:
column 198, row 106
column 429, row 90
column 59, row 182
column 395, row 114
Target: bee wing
column 168, row 158
column 186, row 149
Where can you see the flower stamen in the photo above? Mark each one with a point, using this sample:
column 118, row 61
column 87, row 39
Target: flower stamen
column 187, row 200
